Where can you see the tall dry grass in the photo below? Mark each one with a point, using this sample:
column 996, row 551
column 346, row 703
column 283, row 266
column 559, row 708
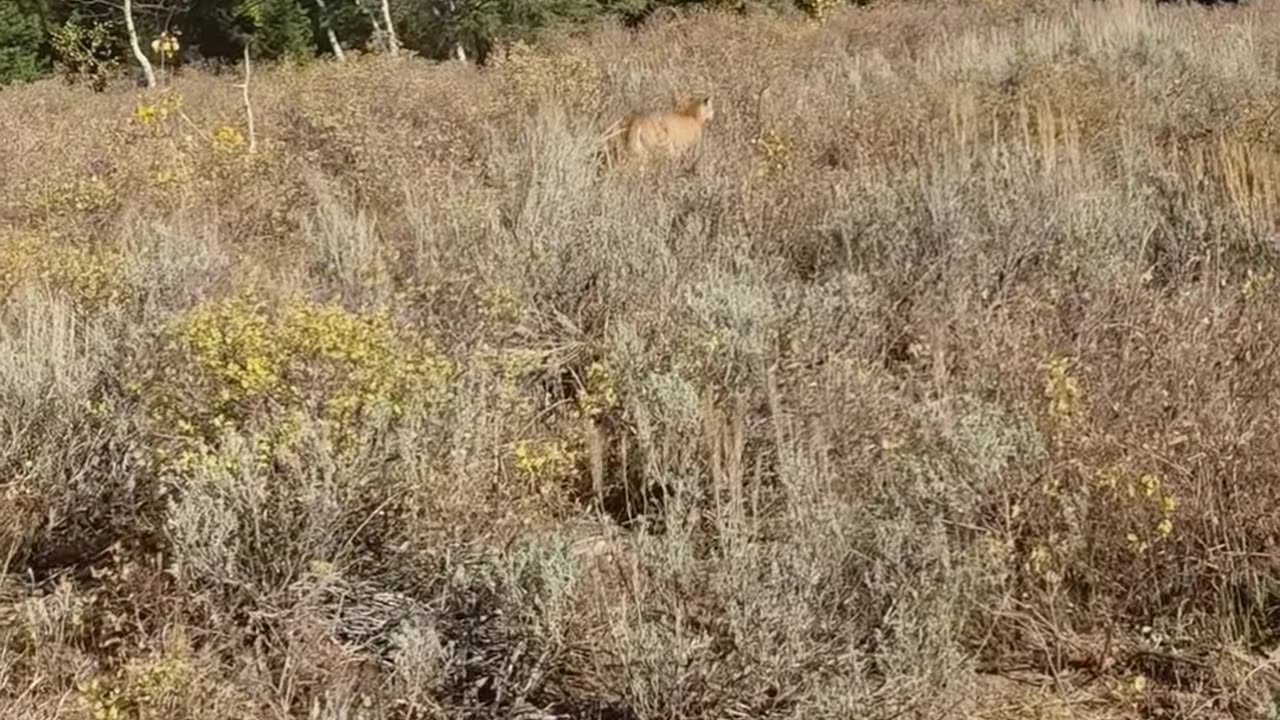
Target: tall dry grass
column 939, row 382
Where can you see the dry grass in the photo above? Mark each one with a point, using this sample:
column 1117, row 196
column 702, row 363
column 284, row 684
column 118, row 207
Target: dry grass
column 940, row 382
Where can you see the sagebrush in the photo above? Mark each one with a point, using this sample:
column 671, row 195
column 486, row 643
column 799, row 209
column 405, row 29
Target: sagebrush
column 946, row 359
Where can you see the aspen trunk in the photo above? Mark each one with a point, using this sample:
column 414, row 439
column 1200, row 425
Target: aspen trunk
column 147, row 70
column 248, row 106
column 459, row 52
column 393, row 43
column 328, row 29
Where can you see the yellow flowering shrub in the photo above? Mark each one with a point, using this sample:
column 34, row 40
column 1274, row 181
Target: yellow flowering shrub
column 547, row 441
column 240, row 363
column 546, row 465
column 774, row 152
column 143, row 688
column 154, row 112
column 358, row 361
column 1256, row 283
column 227, row 137
column 500, row 305
column 1142, row 504
column 599, row 393
column 166, row 45
column 90, row 275
column 1062, row 390
column 1091, row 514
column 57, row 197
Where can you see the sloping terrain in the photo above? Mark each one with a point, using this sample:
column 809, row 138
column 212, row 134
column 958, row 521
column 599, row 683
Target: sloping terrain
column 940, row 381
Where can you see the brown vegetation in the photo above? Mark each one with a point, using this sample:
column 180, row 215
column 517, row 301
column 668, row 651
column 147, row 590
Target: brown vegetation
column 951, row 364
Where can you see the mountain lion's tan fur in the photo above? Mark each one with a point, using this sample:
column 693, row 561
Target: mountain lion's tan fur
column 672, row 132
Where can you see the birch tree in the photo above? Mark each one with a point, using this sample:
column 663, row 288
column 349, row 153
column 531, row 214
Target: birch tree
column 389, row 28
column 326, row 19
column 380, row 18
column 134, row 44
column 393, row 43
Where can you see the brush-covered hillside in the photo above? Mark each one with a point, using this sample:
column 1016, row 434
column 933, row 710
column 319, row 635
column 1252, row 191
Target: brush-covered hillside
column 941, row 380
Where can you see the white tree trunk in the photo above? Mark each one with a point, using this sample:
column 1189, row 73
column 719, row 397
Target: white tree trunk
column 373, row 20
column 147, row 70
column 459, row 52
column 393, row 43
column 248, row 106
column 326, row 18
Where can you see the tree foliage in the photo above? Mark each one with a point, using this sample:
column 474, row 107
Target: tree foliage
column 438, row 27
column 88, row 50
column 85, row 38
column 277, row 29
column 22, row 51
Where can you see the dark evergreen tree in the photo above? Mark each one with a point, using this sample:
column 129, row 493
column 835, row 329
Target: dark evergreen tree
column 279, row 29
column 22, row 43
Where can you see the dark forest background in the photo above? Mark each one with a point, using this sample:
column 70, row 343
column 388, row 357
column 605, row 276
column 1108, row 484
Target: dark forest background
column 89, row 37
